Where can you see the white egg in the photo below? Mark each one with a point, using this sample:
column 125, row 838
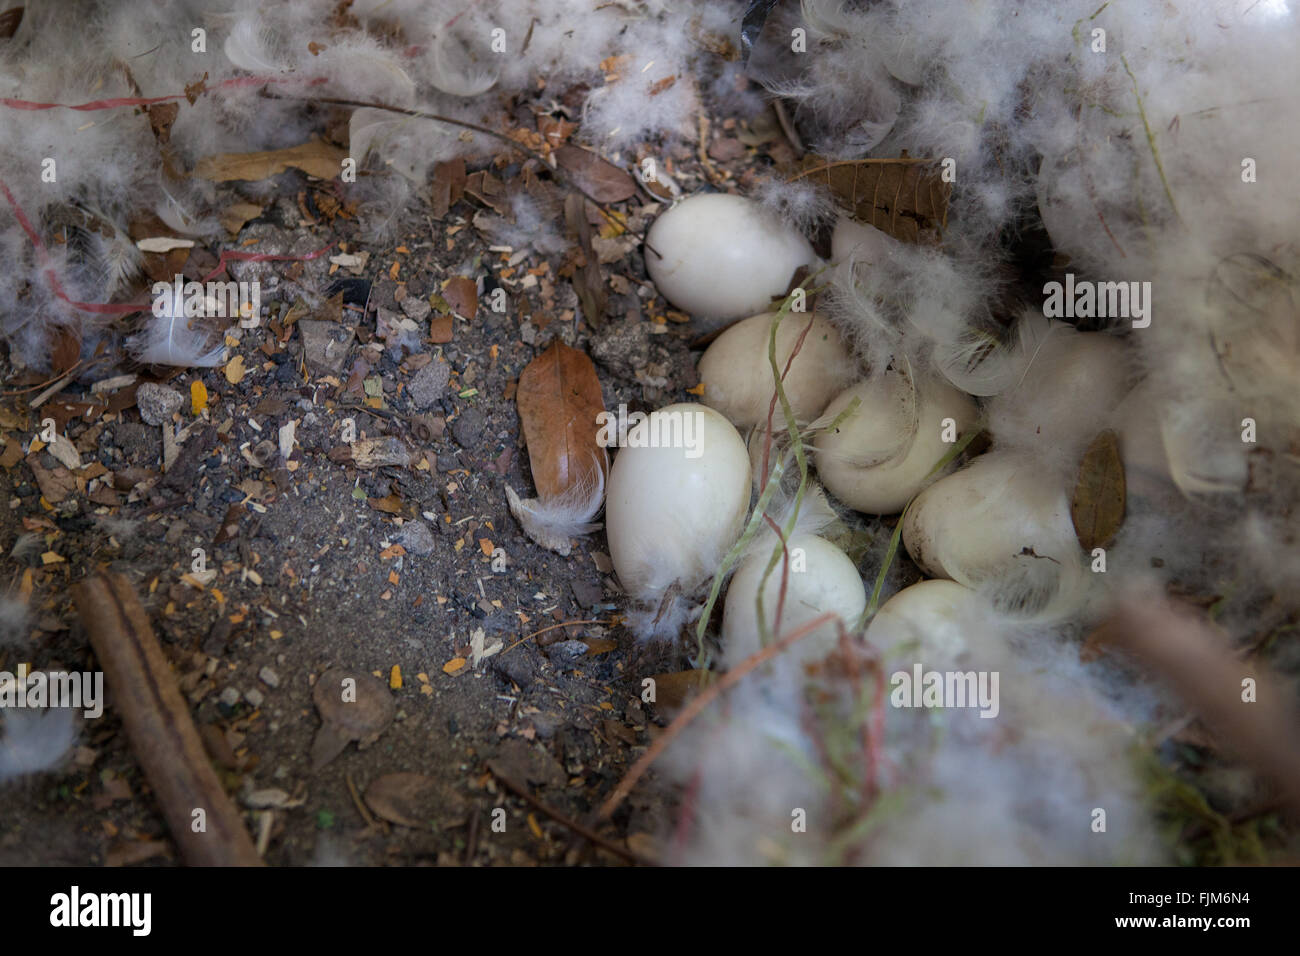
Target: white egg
column 738, row 379
column 822, row 579
column 1002, row 521
column 880, row 456
column 929, row 622
column 719, row 256
column 677, row 499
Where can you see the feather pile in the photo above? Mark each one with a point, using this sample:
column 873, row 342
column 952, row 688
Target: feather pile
column 1145, row 144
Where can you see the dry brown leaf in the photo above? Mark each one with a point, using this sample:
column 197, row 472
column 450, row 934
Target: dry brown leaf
column 13, row 451
column 441, row 329
column 461, row 295
column 673, row 690
column 407, row 799
column 904, row 197
column 234, row 216
column 488, row 190
column 196, row 89
column 389, row 504
column 65, row 350
column 55, row 485
column 599, row 178
column 315, row 158
column 353, row 705
column 382, row 452
column 555, row 130
column 447, row 187
column 1097, row 506
column 161, row 117
column 559, row 398
column 63, row 451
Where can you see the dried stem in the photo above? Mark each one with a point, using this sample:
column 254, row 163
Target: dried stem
column 159, row 726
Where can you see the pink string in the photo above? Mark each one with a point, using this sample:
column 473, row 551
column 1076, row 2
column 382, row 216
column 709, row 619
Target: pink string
column 42, row 254
column 126, row 308
column 115, row 102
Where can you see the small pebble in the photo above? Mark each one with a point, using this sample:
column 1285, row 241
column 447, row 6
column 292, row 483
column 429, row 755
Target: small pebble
column 430, row 383
column 417, row 309
column 416, row 537
column 269, row 677
column 468, row 427
column 157, row 403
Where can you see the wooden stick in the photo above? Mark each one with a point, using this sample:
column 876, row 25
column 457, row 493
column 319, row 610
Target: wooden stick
column 159, row 726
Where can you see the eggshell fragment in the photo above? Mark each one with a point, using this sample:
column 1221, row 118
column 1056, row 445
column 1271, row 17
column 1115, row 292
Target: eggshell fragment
column 880, row 456
column 720, row 257
column 738, row 378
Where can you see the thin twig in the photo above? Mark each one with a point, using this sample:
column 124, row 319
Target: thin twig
column 697, row 706
column 605, row 211
column 356, row 798
column 787, row 127
column 553, row 627
column 585, row 832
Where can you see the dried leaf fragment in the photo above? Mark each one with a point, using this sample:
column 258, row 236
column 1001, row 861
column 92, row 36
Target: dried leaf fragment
column 413, row 800
column 560, row 405
column 598, row 178
column 673, row 690
column 559, row 402
column 353, row 705
column 315, row 158
column 385, row 451
column 235, row 370
column 587, row 280
column 461, row 295
column 447, row 187
column 1097, row 505
column 904, row 197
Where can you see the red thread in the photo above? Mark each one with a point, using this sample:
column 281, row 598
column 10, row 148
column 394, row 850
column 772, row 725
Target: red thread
column 228, row 255
column 43, row 255
column 126, row 308
column 116, row 102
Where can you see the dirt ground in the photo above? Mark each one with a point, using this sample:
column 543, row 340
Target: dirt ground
column 313, row 562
